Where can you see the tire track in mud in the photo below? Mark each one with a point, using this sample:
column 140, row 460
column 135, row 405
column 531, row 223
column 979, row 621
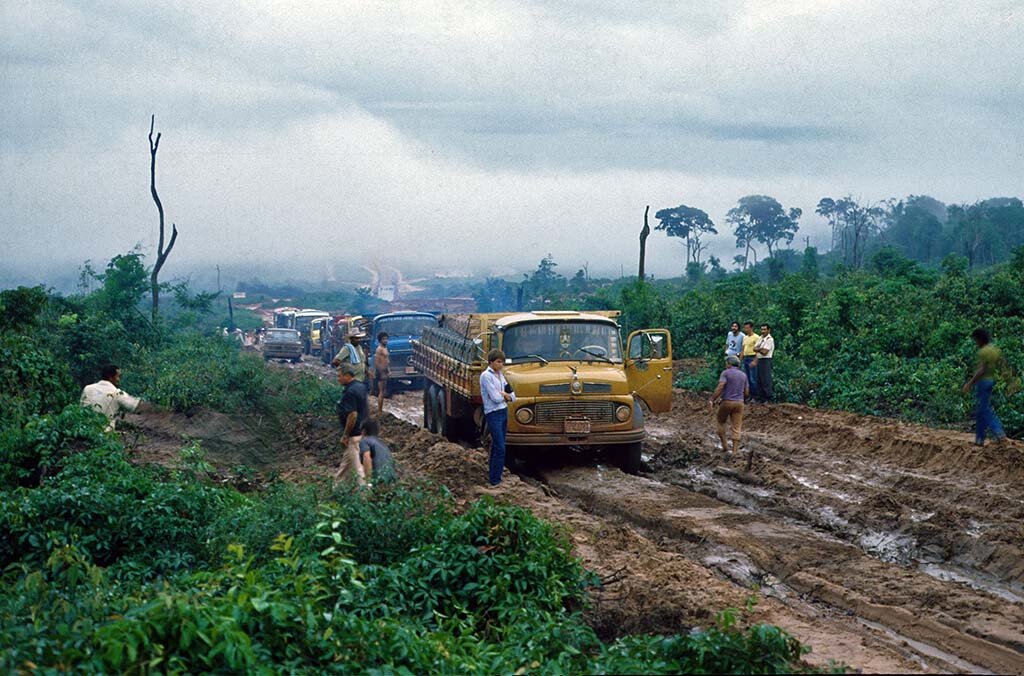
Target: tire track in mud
column 903, row 493
column 976, row 627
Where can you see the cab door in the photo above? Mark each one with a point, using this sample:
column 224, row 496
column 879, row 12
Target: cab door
column 649, row 367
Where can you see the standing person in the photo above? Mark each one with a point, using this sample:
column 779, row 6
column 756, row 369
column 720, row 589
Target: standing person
column 750, row 357
column 733, row 389
column 353, row 355
column 106, row 396
column 381, row 370
column 734, row 341
column 765, row 349
column 496, row 394
column 375, row 455
column 990, row 360
column 353, row 412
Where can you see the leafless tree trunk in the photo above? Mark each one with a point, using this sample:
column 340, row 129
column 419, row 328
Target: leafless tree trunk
column 644, row 234
column 161, row 253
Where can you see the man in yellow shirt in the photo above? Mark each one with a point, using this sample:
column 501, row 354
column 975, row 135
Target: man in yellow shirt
column 983, row 381
column 750, row 358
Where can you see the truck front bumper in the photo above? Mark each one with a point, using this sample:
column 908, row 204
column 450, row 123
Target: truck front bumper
column 592, row 439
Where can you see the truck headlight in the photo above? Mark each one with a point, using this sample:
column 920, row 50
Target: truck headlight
column 622, row 413
column 524, row 415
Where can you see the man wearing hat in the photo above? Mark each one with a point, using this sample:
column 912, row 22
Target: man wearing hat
column 351, row 354
column 732, row 390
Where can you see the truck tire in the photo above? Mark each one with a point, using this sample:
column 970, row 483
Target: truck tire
column 444, row 426
column 628, row 457
column 428, row 408
column 438, row 411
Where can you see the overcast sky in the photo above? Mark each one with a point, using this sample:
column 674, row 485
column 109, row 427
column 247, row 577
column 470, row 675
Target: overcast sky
column 482, row 135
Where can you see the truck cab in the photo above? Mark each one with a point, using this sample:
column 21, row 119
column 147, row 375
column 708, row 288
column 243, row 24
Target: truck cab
column 402, row 328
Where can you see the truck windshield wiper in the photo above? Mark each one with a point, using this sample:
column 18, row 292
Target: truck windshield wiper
column 535, row 356
column 594, row 354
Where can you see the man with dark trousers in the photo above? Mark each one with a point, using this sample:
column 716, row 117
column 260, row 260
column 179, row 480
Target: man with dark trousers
column 496, row 395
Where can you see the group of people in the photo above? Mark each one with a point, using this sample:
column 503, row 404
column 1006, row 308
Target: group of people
column 365, row 458
column 747, row 378
column 353, row 353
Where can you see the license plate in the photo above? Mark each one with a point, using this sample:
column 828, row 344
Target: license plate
column 410, row 369
column 577, row 427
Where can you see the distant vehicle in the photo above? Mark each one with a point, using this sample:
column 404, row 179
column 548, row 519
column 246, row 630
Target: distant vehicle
column 285, row 319
column 402, row 328
column 574, row 385
column 303, row 322
column 282, row 344
column 337, row 334
column 318, row 330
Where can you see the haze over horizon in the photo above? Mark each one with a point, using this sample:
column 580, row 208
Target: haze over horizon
column 483, row 135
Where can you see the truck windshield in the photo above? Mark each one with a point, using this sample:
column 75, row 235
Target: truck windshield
column 283, row 335
column 562, row 341
column 404, row 326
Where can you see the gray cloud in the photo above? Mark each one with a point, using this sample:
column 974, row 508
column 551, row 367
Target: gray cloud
column 440, row 123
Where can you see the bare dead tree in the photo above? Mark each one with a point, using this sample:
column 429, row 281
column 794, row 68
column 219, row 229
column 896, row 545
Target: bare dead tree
column 161, row 252
column 644, row 234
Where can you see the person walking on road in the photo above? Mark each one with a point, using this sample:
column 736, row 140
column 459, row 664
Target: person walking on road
column 734, row 341
column 496, row 394
column 732, row 390
column 353, row 412
column 990, row 361
column 750, row 357
column 765, row 349
column 381, row 370
column 106, row 397
column 378, row 467
column 353, row 355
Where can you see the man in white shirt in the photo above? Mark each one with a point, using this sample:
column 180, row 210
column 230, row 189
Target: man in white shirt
column 496, row 393
column 765, row 349
column 734, row 341
column 106, row 397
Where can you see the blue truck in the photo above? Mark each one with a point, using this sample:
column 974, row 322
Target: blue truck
column 402, row 328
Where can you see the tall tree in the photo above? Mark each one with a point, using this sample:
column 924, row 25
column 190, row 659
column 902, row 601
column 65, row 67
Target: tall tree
column 852, row 223
column 161, row 252
column 688, row 224
column 760, row 218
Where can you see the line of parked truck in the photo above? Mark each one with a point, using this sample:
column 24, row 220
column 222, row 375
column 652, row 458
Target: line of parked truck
column 319, row 334
column 577, row 383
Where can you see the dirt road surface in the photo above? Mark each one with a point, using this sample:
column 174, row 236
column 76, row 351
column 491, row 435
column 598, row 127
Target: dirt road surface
column 886, row 546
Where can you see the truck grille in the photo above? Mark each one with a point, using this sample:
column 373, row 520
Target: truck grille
column 555, row 412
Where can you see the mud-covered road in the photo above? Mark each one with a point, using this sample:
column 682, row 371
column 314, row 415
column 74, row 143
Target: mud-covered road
column 888, row 546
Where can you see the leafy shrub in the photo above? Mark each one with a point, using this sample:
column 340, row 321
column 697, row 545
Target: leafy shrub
column 34, row 381
column 196, row 371
column 39, row 447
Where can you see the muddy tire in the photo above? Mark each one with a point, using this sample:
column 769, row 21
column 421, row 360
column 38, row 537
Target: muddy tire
column 428, row 407
column 628, row 457
column 444, row 423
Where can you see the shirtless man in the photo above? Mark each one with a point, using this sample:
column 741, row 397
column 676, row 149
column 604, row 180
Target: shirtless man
column 381, row 370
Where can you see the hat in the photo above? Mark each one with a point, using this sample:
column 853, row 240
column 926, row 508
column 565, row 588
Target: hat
column 732, row 360
column 357, row 334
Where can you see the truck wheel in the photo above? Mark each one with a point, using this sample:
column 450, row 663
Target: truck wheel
column 444, row 426
column 438, row 411
column 628, row 457
column 428, row 408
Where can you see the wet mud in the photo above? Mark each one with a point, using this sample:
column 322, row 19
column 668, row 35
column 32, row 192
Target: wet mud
column 890, row 547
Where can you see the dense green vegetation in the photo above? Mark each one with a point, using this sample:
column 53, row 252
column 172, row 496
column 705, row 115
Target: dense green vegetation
column 110, row 566
column 892, row 339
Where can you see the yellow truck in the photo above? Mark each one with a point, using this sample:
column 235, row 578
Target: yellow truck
column 575, row 385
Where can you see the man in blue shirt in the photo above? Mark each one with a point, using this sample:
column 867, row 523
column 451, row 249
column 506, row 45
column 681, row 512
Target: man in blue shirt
column 496, row 393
